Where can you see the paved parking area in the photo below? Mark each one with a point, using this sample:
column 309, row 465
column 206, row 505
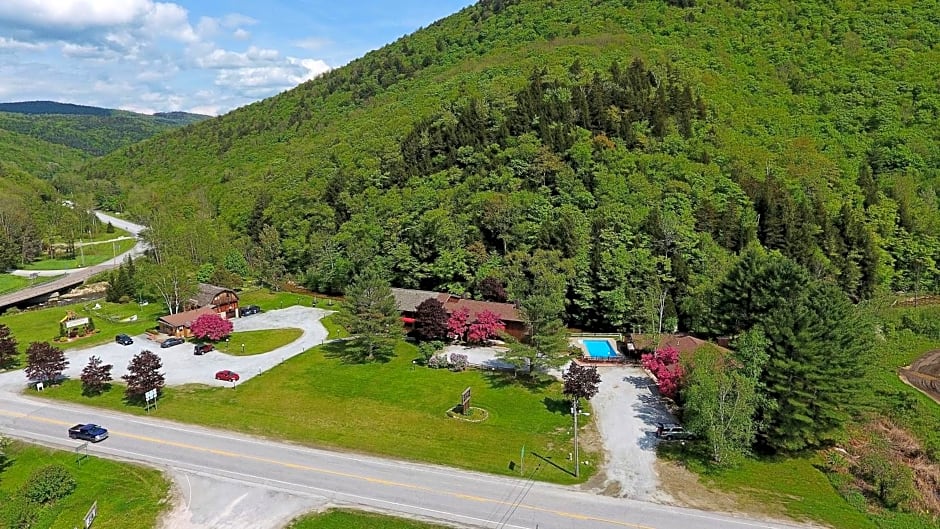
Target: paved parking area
column 181, row 366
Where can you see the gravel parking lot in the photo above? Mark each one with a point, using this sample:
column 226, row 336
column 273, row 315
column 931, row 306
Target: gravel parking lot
column 181, row 366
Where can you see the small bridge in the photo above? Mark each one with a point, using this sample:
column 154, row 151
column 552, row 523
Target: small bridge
column 39, row 293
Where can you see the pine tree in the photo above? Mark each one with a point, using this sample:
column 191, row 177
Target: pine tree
column 369, row 313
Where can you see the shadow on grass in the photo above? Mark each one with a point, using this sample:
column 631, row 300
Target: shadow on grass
column 350, row 352
column 95, row 392
column 533, row 383
column 560, row 406
column 552, row 463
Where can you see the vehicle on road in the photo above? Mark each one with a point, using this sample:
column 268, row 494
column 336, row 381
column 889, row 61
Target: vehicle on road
column 170, row 342
column 88, row 432
column 248, row 310
column 226, row 375
column 673, row 432
column 123, row 339
column 202, row 348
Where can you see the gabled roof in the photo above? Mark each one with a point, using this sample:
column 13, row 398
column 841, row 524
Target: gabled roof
column 407, row 300
column 683, row 343
column 506, row 311
column 185, row 319
column 207, row 293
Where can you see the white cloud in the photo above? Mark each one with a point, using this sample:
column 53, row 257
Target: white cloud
column 234, row 20
column 256, row 80
column 241, row 34
column 312, row 43
column 73, row 13
column 13, row 44
column 219, row 58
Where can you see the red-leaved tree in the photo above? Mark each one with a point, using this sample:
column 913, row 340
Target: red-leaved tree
column 212, row 327
column 664, row 364
column 7, row 346
column 486, row 325
column 457, row 323
column 431, row 320
column 44, row 362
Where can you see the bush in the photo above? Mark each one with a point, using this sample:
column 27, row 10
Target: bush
column 48, row 484
column 428, row 349
column 458, row 362
column 437, row 361
column 19, row 513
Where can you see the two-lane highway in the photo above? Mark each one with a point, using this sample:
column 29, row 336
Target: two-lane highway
column 456, row 496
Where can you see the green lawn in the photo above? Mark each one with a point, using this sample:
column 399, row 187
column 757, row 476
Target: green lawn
column 249, row 343
column 43, row 325
column 102, row 235
column 268, row 300
column 86, row 256
column 317, row 399
column 11, row 283
column 341, row 519
column 127, row 495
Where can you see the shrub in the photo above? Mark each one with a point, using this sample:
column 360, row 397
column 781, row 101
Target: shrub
column 19, row 513
column 48, row 484
column 437, row 361
column 458, row 362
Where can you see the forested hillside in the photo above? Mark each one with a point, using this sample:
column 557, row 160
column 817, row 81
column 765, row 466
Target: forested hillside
column 619, row 152
column 96, row 131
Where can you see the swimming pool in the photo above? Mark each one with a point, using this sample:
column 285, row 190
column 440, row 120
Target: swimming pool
column 603, row 349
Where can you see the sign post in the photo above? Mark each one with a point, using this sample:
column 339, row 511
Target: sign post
column 81, row 452
column 151, row 398
column 465, row 402
column 91, row 515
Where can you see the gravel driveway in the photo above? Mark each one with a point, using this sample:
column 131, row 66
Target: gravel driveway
column 181, row 366
column 627, row 408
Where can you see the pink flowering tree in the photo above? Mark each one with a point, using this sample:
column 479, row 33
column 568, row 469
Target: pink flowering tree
column 211, row 327
column 457, row 323
column 486, row 325
column 664, row 364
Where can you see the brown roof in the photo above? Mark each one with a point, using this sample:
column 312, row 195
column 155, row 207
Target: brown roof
column 407, row 300
column 680, row 342
column 506, row 311
column 184, row 319
column 207, row 293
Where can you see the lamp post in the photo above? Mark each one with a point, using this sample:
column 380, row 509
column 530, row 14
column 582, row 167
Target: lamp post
column 243, row 348
column 577, row 458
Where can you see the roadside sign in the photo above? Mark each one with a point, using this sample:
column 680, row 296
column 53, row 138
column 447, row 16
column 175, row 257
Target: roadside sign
column 92, row 514
column 465, row 402
column 151, row 395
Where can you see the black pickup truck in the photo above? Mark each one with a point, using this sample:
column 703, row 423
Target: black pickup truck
column 88, row 432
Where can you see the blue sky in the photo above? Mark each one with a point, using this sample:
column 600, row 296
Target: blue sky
column 206, row 56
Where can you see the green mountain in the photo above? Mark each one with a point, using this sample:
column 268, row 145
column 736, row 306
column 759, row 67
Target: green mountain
column 622, row 151
column 94, row 130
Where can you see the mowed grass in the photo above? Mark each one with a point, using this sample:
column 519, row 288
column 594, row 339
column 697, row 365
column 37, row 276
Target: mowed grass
column 268, row 300
column 792, row 487
column 11, row 283
column 102, row 235
column 394, row 409
column 343, row 519
column 127, row 495
column 43, row 325
column 258, row 342
column 85, row 256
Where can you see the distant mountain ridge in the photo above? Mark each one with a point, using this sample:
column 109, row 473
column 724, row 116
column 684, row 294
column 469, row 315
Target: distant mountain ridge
column 94, row 130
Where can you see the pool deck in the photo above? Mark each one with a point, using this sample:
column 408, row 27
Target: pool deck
column 588, row 360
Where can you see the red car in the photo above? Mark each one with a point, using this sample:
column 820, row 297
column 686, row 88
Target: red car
column 226, row 375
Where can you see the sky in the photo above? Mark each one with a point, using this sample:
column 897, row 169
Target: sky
column 203, row 56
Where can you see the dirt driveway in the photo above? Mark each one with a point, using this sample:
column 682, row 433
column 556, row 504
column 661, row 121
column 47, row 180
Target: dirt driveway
column 627, row 408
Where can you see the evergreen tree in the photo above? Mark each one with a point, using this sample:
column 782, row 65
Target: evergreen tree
column 369, row 313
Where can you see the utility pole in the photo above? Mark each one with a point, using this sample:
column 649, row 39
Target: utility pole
column 577, row 457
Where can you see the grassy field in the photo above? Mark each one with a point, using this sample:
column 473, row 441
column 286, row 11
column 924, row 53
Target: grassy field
column 268, row 300
column 43, row 325
column 11, row 283
column 341, row 519
column 86, row 256
column 127, row 495
column 249, row 343
column 317, row 399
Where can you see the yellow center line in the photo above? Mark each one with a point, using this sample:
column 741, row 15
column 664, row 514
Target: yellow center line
column 306, row 468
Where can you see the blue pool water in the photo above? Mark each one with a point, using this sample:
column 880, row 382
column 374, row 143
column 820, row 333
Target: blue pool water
column 600, row 349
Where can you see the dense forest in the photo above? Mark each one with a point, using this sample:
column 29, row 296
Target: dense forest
column 96, row 131
column 630, row 149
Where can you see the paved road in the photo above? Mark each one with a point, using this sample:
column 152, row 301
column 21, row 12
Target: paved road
column 76, row 276
column 467, row 498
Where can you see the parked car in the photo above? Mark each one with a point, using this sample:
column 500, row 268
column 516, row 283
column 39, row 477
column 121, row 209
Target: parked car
column 123, row 339
column 226, row 375
column 203, row 348
column 673, row 432
column 248, row 310
column 88, row 432
column 170, row 342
